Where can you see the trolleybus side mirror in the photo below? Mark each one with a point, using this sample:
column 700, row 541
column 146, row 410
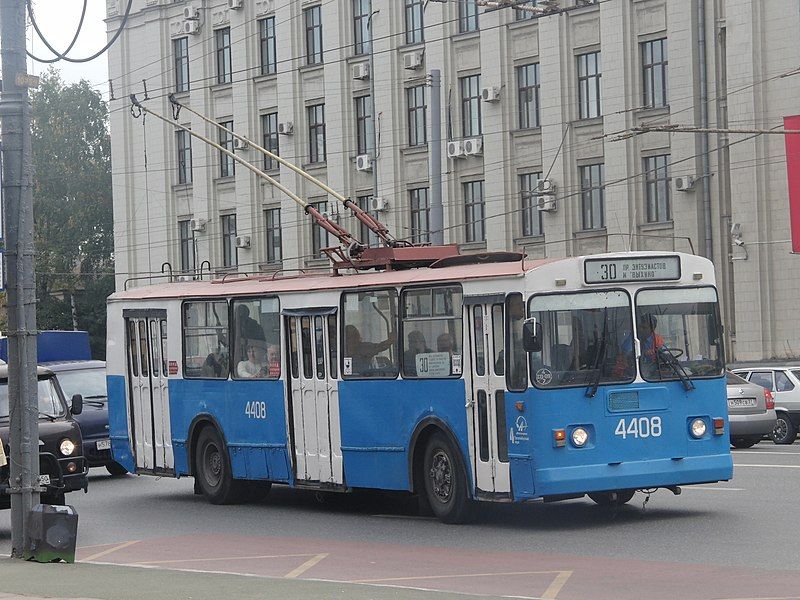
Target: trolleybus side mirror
column 77, row 404
column 532, row 335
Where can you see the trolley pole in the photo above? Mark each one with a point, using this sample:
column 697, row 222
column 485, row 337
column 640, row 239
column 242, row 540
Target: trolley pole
column 21, row 299
column 436, row 225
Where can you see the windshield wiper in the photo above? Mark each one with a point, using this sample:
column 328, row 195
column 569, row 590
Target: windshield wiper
column 599, row 359
column 95, row 397
column 677, row 368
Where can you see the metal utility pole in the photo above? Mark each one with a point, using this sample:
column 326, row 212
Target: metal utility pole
column 436, row 225
column 372, row 100
column 21, row 299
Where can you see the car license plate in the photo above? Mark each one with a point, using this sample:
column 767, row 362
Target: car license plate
column 44, row 479
column 741, row 402
column 104, row 444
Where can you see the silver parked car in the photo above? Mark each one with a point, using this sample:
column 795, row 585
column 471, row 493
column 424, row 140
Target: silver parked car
column 751, row 411
column 784, row 383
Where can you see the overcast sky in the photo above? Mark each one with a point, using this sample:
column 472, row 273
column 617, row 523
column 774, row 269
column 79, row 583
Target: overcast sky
column 58, row 20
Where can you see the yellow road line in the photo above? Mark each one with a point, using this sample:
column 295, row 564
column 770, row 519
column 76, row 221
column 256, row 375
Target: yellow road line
column 551, row 592
column 209, row 559
column 306, row 566
column 459, row 576
column 109, row 551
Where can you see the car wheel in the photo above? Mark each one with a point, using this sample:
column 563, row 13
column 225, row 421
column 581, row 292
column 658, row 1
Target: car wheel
column 742, row 443
column 785, row 431
column 116, row 470
column 213, row 469
column 616, row 498
column 445, row 481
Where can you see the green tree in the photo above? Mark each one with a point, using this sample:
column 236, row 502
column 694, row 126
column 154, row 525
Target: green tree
column 73, row 215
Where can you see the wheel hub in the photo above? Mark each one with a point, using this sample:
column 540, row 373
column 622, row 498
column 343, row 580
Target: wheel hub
column 213, row 464
column 441, row 476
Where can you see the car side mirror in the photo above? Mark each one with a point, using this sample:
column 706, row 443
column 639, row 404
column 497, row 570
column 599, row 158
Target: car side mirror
column 77, row 404
column 532, row 335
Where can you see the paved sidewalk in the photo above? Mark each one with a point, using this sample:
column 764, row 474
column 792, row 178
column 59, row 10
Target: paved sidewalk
column 20, row 580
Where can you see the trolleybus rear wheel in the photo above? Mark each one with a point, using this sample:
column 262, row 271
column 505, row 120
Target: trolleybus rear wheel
column 445, row 481
column 213, row 469
column 617, row 498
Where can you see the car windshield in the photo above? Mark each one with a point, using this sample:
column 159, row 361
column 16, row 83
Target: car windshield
column 49, row 402
column 679, row 333
column 89, row 383
column 586, row 339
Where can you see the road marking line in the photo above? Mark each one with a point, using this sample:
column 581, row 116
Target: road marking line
column 768, row 598
column 109, row 551
column 420, row 577
column 191, row 560
column 415, row 517
column 551, row 592
column 735, row 452
column 713, row 489
column 768, row 466
column 306, row 566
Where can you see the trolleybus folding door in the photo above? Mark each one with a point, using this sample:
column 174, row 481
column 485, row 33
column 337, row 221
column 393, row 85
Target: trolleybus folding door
column 149, row 392
column 314, row 396
column 487, row 400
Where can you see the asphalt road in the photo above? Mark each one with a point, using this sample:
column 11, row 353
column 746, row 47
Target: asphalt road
column 737, row 539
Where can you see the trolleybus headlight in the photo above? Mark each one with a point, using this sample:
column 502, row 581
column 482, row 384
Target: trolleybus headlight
column 698, row 428
column 579, row 437
column 67, row 447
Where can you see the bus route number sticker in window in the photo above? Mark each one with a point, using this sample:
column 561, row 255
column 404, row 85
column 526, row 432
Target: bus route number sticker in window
column 433, row 364
column 544, row 376
column 639, row 427
column 255, row 410
column 456, row 364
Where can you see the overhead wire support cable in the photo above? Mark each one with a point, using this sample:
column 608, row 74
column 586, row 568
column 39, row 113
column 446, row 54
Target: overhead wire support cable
column 71, row 44
column 363, row 216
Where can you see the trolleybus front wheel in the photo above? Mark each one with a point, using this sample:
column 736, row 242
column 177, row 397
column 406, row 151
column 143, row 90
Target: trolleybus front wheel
column 445, row 481
column 617, row 498
column 213, row 469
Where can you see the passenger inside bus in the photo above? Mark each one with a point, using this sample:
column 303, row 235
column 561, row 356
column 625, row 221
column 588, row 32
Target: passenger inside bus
column 446, row 343
column 256, row 364
column 363, row 352
column 415, row 344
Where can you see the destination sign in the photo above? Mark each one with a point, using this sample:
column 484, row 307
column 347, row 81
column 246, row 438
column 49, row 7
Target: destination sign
column 628, row 270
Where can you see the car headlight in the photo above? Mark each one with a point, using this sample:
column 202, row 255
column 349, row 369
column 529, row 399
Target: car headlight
column 579, row 437
column 698, row 428
column 67, row 447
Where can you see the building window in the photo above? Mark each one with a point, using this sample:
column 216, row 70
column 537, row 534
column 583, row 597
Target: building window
column 592, row 197
column 223, row 45
column 316, row 133
column 230, row 256
column 270, row 139
column 417, row 119
column 269, row 61
column 654, row 72
column 319, row 237
column 528, row 93
column 367, row 235
column 186, row 235
column 470, row 105
column 415, row 23
column 362, row 9
column 180, row 48
column 313, row 20
column 365, row 133
column 272, row 222
column 227, row 166
column 656, row 186
column 184, row 156
column 531, row 215
column 420, row 215
column 589, row 89
column 467, row 15
column 474, row 211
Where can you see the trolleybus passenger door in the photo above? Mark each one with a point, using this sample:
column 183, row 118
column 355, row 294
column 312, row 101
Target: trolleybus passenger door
column 314, row 398
column 487, row 401
column 149, row 397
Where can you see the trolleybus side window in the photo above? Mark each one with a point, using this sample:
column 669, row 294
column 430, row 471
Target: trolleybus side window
column 134, row 353
column 679, row 333
column 479, row 338
column 305, row 342
column 293, row 362
column 370, row 334
column 432, row 332
column 586, row 339
column 319, row 347
column 144, row 360
column 332, row 344
column 256, row 338
column 517, row 359
column 205, row 340
column 497, row 336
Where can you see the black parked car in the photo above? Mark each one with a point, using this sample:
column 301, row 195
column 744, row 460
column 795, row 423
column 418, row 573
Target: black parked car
column 62, row 466
column 88, row 378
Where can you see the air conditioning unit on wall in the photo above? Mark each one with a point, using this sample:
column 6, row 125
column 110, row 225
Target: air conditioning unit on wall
column 412, row 61
column 190, row 11
column 684, row 184
column 546, row 203
column 473, row 146
column 286, row 128
column 243, row 241
column 455, row 149
column 490, row 94
column 360, row 71
column 197, row 225
column 235, row 4
column 378, row 204
column 363, row 162
column 191, row 27
column 240, row 144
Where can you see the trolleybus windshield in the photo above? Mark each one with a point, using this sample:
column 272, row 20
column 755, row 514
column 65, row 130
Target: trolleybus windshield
column 679, row 333
column 586, row 339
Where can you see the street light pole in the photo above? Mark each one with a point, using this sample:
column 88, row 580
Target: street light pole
column 436, row 225
column 21, row 300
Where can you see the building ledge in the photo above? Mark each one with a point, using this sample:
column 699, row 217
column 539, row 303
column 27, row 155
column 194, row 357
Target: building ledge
column 527, row 132
column 414, row 150
column 311, row 68
column 531, row 240
column 652, row 112
column 219, row 88
column 466, row 36
column 473, row 246
column 591, row 233
column 591, row 122
column 228, row 181
column 659, row 226
column 265, row 78
column 182, row 188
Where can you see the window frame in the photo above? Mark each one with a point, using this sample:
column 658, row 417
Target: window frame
column 470, row 223
column 468, row 20
column 270, row 139
column 233, row 341
column 227, row 166
column 230, row 253
column 588, row 82
column 184, row 147
column 342, row 324
column 365, row 127
column 318, row 234
column 316, row 131
column 417, row 115
column 223, row 54
column 362, row 27
column 186, row 301
column 587, row 195
column 528, row 88
column 312, row 21
column 270, row 237
column 507, row 346
column 653, row 71
column 267, row 40
column 417, row 235
column 413, row 9
column 181, row 64
column 471, row 110
column 188, row 241
column 527, row 213
column 657, row 177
